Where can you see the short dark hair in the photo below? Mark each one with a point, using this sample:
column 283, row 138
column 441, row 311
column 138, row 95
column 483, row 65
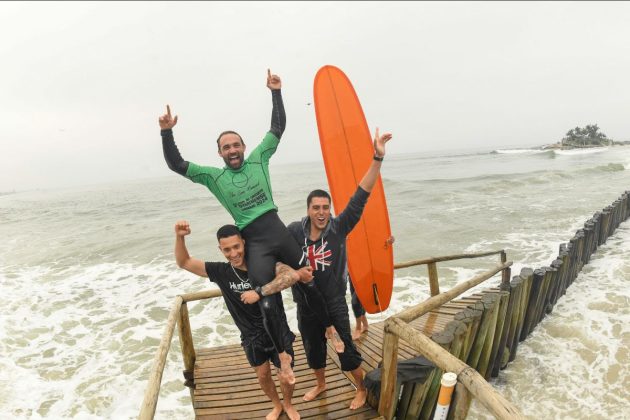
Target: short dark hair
column 228, row 132
column 316, row 193
column 227, row 231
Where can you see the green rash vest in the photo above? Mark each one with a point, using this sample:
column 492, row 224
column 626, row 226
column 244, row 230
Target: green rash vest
column 244, row 192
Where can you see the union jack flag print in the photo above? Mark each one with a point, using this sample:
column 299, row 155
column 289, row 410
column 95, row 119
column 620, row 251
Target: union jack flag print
column 317, row 256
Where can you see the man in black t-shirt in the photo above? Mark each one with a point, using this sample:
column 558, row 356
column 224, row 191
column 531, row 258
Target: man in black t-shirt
column 233, row 280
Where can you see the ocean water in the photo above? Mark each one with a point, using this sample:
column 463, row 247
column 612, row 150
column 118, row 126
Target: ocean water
column 87, row 277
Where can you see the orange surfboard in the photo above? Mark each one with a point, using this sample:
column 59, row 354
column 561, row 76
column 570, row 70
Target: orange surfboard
column 347, row 149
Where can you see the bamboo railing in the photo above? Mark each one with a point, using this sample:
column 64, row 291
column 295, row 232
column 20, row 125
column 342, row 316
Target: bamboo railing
column 470, row 382
column 178, row 315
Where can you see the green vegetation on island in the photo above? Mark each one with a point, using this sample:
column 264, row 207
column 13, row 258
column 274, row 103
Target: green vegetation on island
column 589, row 136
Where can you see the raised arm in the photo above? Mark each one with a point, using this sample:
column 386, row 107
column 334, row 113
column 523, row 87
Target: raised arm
column 172, row 156
column 370, row 177
column 285, row 278
column 184, row 260
column 278, row 117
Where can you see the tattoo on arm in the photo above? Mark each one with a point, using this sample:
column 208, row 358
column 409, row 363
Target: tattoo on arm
column 282, row 281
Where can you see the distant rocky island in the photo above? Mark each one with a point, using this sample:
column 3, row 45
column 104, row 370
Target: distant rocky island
column 587, row 137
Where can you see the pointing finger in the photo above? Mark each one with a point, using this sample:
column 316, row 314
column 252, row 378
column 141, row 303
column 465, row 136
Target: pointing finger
column 168, row 111
column 268, row 73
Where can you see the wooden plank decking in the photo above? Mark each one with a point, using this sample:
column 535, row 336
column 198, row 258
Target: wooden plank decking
column 226, row 386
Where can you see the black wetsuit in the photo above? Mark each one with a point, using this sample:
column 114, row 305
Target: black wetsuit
column 246, row 194
column 248, row 318
column 357, row 308
column 327, row 257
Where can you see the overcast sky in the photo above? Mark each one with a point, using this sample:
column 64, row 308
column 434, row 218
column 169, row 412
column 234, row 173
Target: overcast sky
column 82, row 84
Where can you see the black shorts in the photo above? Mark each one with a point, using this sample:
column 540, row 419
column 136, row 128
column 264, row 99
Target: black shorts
column 314, row 336
column 259, row 351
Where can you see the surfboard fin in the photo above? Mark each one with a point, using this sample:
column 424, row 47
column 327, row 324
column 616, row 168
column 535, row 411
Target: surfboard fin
column 375, row 291
column 376, row 301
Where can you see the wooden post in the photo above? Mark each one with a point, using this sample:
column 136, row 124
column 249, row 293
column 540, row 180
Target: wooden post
column 459, row 330
column 461, row 403
column 477, row 313
column 500, row 330
column 517, row 289
column 188, row 349
column 478, row 345
column 389, row 373
column 581, row 250
column 486, row 351
column 566, row 269
column 530, row 314
column 544, row 294
column 575, row 263
column 149, row 403
column 503, row 343
column 433, row 279
column 555, row 285
column 597, row 218
column 522, row 308
column 606, row 223
column 505, row 278
column 589, row 232
column 471, row 319
column 527, row 274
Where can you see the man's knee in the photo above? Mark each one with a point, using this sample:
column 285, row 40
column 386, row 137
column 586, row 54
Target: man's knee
column 263, row 372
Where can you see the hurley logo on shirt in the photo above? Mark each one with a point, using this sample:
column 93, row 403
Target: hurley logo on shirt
column 241, row 287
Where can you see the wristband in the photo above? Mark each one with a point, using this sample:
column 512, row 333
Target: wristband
column 258, row 290
column 380, row 159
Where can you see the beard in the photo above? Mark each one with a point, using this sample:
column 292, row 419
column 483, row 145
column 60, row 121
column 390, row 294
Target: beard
column 234, row 164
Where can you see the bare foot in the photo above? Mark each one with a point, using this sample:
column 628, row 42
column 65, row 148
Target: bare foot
column 286, row 373
column 337, row 342
column 291, row 412
column 364, row 323
column 275, row 413
column 360, row 328
column 314, row 393
column 359, row 399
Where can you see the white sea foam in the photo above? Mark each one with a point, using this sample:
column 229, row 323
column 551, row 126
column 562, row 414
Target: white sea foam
column 574, row 152
column 80, row 340
column 576, row 363
column 519, row 151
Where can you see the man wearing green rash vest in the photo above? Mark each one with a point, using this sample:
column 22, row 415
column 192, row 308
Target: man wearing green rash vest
column 243, row 187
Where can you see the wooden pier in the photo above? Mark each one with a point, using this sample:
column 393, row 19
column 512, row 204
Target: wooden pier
column 226, row 387
column 474, row 337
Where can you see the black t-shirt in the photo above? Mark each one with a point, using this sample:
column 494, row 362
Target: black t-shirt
column 232, row 283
